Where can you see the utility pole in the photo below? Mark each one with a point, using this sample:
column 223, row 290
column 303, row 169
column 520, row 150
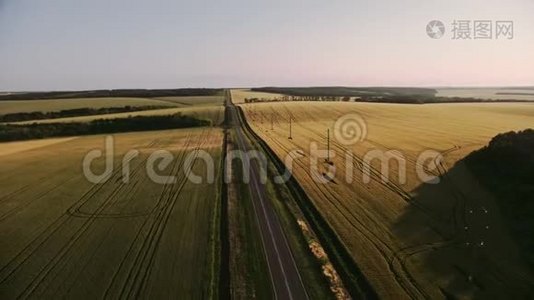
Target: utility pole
column 328, row 145
column 290, row 137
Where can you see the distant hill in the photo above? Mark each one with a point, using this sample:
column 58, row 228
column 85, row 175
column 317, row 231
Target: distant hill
column 506, row 167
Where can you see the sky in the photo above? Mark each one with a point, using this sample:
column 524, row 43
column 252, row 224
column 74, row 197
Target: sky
column 105, row 44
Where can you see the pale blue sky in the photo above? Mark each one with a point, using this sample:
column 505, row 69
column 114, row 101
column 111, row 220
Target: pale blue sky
column 66, row 44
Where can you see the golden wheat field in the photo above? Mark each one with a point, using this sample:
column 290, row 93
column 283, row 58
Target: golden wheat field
column 411, row 239
column 129, row 237
column 239, row 95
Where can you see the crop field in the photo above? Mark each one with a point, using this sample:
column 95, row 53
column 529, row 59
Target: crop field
column 410, row 239
column 15, row 106
column 64, row 237
column 239, row 95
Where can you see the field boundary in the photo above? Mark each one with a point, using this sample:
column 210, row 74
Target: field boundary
column 350, row 273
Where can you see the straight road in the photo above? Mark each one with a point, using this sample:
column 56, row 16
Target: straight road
column 285, row 277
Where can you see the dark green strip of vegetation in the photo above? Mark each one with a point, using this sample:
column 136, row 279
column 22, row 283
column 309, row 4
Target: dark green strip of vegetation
column 142, row 93
column 13, row 132
column 506, row 168
column 76, row 112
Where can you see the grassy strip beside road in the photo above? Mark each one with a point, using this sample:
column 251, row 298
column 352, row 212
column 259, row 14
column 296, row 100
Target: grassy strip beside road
column 12, row 132
column 249, row 275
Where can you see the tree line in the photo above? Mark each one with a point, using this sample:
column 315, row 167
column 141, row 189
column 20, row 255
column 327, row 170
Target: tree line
column 13, row 132
column 76, row 112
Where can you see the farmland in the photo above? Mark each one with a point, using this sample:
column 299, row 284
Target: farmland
column 239, row 95
column 63, row 236
column 213, row 113
column 410, row 239
column 201, row 107
column 46, row 105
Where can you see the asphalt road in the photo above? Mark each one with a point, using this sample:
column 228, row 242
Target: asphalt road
column 285, row 278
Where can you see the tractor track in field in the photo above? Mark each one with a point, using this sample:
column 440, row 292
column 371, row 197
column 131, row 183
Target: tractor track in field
column 24, row 203
column 60, row 254
column 76, row 210
column 130, row 251
column 155, row 234
column 33, row 246
column 393, row 187
column 41, row 238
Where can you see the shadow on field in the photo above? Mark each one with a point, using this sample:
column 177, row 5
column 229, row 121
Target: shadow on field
column 457, row 244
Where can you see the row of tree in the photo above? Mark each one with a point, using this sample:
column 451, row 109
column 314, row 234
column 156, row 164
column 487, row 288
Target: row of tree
column 299, row 98
column 12, row 132
column 76, row 112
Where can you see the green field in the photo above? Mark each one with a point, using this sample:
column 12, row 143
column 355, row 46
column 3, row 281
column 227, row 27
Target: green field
column 63, row 236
